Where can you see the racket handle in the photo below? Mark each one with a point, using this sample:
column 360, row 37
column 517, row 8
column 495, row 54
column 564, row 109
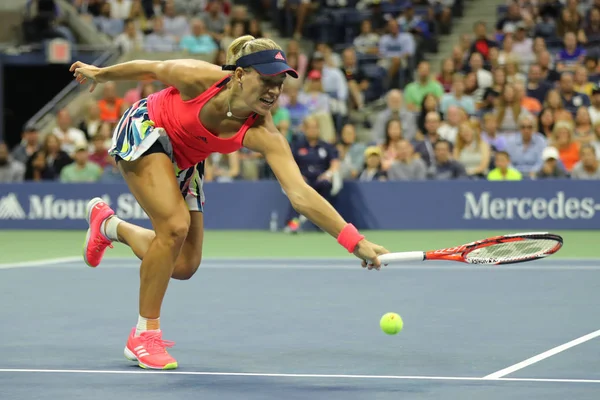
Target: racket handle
column 406, row 256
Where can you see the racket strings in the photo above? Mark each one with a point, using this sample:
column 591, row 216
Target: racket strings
column 509, row 251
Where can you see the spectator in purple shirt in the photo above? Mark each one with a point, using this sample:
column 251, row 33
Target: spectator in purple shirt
column 571, row 56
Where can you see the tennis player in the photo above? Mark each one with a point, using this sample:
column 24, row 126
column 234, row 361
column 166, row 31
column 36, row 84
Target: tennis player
column 160, row 145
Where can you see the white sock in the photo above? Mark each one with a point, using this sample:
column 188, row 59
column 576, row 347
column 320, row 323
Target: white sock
column 109, row 228
column 146, row 324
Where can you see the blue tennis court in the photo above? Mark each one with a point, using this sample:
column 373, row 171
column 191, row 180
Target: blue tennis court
column 304, row 329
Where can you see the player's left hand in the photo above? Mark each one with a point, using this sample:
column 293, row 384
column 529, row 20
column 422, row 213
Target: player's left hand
column 369, row 252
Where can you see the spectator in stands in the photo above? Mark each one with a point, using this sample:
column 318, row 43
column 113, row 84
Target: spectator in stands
column 110, row 104
column 373, row 169
column 423, row 85
column 351, row 153
column 482, row 43
column 592, row 25
column 91, row 122
column 367, row 42
column 120, row 9
column 511, row 68
column 490, row 133
column 131, row 39
column 393, row 134
column 282, row 121
column 357, row 80
column 443, row 166
column 297, row 110
column 472, row 152
column 562, row 139
column 588, row 167
column 82, row 170
column 446, row 75
column 546, row 122
column 430, row 103
column 449, row 127
column 225, row 167
column 529, row 104
column 111, row 173
column 295, row 55
column 159, row 40
column 396, row 49
column 583, row 131
column 407, row 166
column 503, row 170
column 484, row 77
column 47, row 163
column 594, row 108
column 536, row 87
column 313, row 96
column 525, row 149
column 549, row 74
column 334, row 82
column 108, row 24
column 215, row 20
column 29, row 144
column 66, row 133
column 395, row 110
column 139, row 17
column 457, row 97
column 510, row 20
column 581, row 82
column 199, row 41
column 424, row 146
column 550, row 167
column 572, row 54
column 522, row 46
column 571, row 100
column 459, row 59
column 318, row 162
column 99, row 151
column 509, row 109
column 570, row 22
column 176, row 24
column 11, row 170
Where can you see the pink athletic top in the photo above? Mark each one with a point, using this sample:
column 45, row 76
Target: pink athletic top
column 192, row 142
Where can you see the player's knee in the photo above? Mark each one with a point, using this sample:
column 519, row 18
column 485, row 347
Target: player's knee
column 185, row 269
column 174, row 230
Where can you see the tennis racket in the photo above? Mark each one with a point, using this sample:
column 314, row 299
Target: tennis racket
column 497, row 250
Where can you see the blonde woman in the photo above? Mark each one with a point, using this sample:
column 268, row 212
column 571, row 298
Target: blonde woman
column 471, row 151
column 509, row 109
column 513, row 75
column 564, row 141
column 205, row 109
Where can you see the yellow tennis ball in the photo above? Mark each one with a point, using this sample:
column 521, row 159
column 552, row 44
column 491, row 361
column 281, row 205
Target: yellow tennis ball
column 391, row 323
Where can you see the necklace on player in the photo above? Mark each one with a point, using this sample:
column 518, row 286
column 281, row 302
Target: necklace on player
column 229, row 113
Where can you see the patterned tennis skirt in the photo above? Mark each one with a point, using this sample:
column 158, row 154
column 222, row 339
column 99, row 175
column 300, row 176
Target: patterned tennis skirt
column 135, row 134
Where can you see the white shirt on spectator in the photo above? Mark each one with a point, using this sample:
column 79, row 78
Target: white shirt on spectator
column 365, row 42
column 448, row 132
column 594, row 114
column 524, row 51
column 120, row 9
column 396, row 46
column 334, row 83
column 69, row 138
column 128, row 44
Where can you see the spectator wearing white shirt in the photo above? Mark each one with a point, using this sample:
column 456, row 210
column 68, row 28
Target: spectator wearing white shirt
column 120, row 9
column 175, row 25
column 395, row 49
column 66, row 133
column 367, row 41
column 159, row 40
column 522, row 46
column 334, row 82
column 484, row 77
column 131, row 39
column 594, row 108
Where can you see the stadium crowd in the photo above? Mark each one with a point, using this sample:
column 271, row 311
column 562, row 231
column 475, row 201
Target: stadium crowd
column 517, row 99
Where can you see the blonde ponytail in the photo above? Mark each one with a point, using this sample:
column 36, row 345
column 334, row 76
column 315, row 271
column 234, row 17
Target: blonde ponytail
column 248, row 44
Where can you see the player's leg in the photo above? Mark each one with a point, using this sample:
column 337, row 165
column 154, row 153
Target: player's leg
column 153, row 184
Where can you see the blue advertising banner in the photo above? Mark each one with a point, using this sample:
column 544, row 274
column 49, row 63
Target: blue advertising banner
column 526, row 205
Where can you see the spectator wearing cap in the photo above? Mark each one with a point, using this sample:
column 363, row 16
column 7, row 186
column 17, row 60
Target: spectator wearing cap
column 588, row 167
column 198, row 41
column 407, row 166
column 29, row 144
column 525, row 149
column 443, row 166
column 373, row 170
column 482, row 43
column 334, row 82
column 395, row 50
column 594, row 108
column 11, row 170
column 503, row 170
column 550, row 167
column 317, row 161
column 313, row 96
column 395, row 110
column 571, row 55
column 159, row 40
column 536, row 87
column 457, row 97
column 82, row 170
column 571, row 99
column 423, row 85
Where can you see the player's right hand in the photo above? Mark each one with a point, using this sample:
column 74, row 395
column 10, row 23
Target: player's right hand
column 369, row 252
column 84, row 72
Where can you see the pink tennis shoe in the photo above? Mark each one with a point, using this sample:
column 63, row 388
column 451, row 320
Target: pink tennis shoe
column 95, row 242
column 150, row 350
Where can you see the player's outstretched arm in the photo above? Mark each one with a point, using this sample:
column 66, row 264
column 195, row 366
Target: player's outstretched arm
column 276, row 150
column 183, row 74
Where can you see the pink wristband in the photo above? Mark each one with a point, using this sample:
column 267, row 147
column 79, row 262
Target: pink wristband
column 349, row 237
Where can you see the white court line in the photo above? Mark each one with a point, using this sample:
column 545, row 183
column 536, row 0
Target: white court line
column 542, row 356
column 306, row 376
column 40, row 263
